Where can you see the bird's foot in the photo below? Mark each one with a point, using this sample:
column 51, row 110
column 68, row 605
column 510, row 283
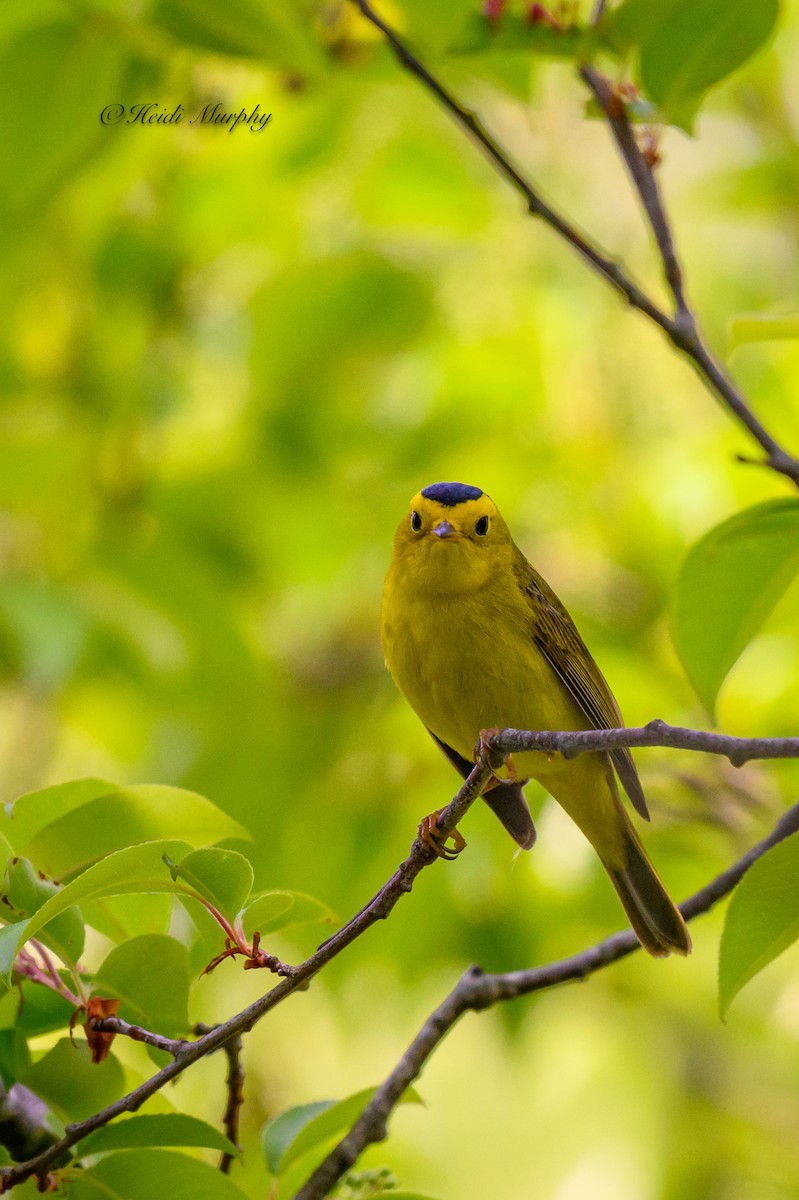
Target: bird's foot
column 432, row 838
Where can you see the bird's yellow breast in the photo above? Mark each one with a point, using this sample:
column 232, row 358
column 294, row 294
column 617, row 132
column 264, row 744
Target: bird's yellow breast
column 467, row 661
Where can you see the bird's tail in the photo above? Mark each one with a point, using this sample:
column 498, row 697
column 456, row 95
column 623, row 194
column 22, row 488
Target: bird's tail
column 656, row 920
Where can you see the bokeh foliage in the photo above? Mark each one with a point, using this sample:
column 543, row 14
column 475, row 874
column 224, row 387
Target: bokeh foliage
column 227, row 361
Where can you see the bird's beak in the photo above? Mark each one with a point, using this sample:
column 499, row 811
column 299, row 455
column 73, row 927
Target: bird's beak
column 444, row 530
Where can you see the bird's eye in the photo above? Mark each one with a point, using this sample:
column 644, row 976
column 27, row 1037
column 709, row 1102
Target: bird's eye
column 482, row 526
column 416, row 522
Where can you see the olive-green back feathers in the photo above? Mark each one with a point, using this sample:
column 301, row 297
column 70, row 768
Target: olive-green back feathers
column 558, row 640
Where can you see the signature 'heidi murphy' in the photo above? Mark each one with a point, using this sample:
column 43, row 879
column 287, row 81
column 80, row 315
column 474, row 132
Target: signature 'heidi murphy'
column 213, row 114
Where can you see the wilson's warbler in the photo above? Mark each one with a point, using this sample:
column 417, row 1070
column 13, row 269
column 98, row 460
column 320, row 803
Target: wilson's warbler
column 476, row 640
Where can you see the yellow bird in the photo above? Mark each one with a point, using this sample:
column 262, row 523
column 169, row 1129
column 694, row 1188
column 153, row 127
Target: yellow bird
column 475, row 639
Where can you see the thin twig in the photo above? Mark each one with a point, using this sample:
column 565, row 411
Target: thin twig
column 234, row 1084
column 173, row 1046
column 27, row 967
column 234, row 1088
column 476, row 991
column 644, row 181
column 681, row 329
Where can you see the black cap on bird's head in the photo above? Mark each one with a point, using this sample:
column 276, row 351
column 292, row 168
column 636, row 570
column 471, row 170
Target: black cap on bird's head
column 450, row 494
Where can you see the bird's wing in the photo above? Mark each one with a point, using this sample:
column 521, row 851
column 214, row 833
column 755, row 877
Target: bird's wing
column 557, row 638
column 506, row 800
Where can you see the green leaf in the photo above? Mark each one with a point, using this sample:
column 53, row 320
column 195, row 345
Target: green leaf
column 729, row 583
column 693, row 44
column 10, row 1007
column 69, row 1082
column 23, row 889
column 24, row 892
column 66, row 935
column 762, row 327
column 15, row 1056
column 298, row 1130
column 278, row 33
column 63, row 828
column 222, row 876
column 34, row 811
column 150, row 975
column 135, row 869
column 12, row 937
column 42, row 1010
column 123, row 917
column 762, row 919
column 634, row 22
column 161, row 1129
column 277, row 909
column 151, row 1175
column 279, row 1133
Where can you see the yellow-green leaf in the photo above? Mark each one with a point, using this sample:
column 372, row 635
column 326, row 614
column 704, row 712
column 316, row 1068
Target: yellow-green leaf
column 728, row 585
column 762, row 919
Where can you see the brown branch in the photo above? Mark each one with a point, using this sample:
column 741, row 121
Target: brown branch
column 234, row 1083
column 234, row 1086
column 644, row 181
column 234, row 1091
column 476, row 991
column 680, row 329
column 657, row 733
column 173, row 1046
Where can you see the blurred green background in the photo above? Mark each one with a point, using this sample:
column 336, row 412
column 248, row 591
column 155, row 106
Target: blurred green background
column 227, row 361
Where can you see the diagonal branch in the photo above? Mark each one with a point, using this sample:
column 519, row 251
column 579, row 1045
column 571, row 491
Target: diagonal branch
column 644, row 181
column 681, row 329
column 476, row 991
column 495, row 747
